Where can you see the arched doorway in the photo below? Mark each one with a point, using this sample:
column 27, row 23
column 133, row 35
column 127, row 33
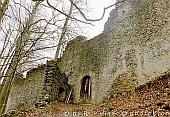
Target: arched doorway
column 85, row 91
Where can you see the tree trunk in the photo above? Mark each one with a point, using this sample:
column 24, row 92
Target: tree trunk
column 3, row 8
column 17, row 56
column 63, row 33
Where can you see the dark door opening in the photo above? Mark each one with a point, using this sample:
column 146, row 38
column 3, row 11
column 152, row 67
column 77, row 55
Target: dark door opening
column 85, row 92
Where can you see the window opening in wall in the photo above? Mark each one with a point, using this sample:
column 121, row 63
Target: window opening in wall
column 85, row 92
column 61, row 90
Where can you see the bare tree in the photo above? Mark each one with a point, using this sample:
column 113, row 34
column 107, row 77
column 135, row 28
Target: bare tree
column 23, row 41
column 3, row 7
column 64, row 29
column 17, row 54
column 87, row 20
column 68, row 17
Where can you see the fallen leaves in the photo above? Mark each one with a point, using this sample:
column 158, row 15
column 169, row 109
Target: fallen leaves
column 151, row 99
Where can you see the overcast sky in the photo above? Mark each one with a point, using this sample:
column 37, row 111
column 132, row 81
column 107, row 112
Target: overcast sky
column 97, row 8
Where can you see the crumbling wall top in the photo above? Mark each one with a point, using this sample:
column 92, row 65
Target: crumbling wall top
column 120, row 12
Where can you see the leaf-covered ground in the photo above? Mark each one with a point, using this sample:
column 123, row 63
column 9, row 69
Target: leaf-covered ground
column 149, row 100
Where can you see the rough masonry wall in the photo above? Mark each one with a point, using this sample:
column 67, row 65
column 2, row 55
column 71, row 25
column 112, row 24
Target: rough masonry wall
column 83, row 58
column 56, row 85
column 146, row 31
column 143, row 42
column 42, row 85
column 26, row 90
column 134, row 50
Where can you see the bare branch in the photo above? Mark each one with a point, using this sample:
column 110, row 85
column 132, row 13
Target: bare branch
column 66, row 14
column 104, row 10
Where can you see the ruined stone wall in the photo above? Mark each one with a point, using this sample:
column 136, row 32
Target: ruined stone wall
column 56, row 85
column 133, row 49
column 42, row 85
column 118, row 14
column 83, row 58
column 129, row 53
column 26, row 90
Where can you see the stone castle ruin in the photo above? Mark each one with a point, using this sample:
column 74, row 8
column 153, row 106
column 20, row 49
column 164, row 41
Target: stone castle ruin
column 133, row 49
